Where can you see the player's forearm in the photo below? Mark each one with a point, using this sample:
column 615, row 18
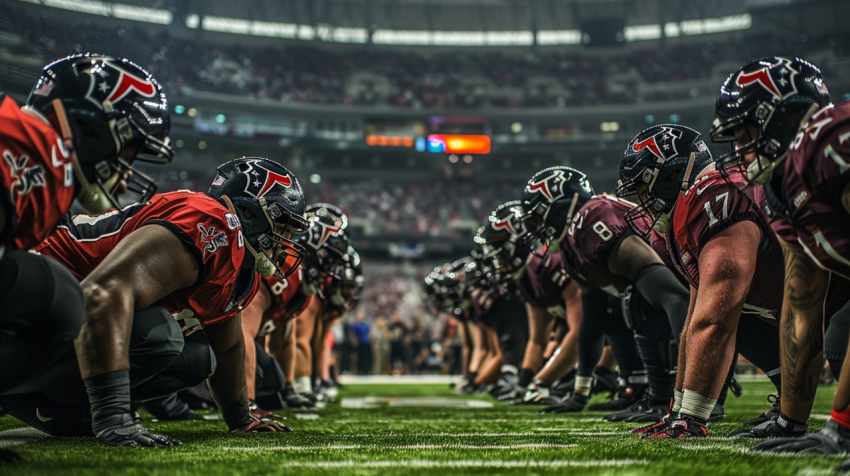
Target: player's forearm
column 683, row 344
column 563, row 360
column 104, row 339
column 801, row 333
column 228, row 383
column 250, row 366
column 711, row 346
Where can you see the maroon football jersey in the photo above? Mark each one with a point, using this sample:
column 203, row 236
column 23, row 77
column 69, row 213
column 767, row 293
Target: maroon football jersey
column 543, row 283
column 36, row 176
column 206, row 228
column 596, row 227
column 816, row 174
column 710, row 206
column 287, row 301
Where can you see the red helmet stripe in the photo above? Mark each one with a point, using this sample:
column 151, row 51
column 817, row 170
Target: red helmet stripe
column 650, row 144
column 128, row 82
column 762, row 77
column 543, row 187
column 273, row 178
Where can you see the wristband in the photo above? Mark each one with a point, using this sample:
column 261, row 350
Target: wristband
column 791, row 427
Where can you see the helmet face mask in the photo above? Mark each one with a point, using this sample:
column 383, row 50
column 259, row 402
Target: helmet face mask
column 770, row 100
column 113, row 112
column 658, row 164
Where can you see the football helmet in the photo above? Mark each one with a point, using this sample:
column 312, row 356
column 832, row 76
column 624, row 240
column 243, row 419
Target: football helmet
column 446, row 290
column 776, row 95
column 658, row 164
column 503, row 248
column 269, row 203
column 326, row 249
column 550, row 200
column 110, row 112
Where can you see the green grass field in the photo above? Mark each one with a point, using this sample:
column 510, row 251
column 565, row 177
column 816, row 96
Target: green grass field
column 393, row 439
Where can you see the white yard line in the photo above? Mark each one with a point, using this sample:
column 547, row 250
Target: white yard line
column 463, row 464
column 402, row 447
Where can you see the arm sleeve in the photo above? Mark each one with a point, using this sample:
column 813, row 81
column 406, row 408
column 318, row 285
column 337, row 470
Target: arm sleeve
column 594, row 307
column 658, row 285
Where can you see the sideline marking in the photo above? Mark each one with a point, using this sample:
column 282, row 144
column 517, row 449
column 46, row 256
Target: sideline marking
column 374, row 402
column 403, row 447
column 463, row 464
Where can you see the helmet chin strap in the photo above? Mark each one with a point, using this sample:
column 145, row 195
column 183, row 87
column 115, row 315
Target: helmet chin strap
column 262, row 263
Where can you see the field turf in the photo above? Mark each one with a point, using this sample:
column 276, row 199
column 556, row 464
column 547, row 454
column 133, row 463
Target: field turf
column 396, row 439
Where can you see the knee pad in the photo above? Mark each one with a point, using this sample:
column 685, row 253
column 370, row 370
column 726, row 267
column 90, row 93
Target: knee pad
column 835, row 339
column 155, row 333
column 198, row 359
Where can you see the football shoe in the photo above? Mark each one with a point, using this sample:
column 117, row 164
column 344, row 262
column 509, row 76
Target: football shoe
column 574, row 404
column 642, row 411
column 833, row 439
column 627, row 396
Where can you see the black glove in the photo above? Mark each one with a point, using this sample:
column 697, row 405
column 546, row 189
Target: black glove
column 833, row 439
column 776, row 428
column 122, row 430
column 575, row 403
column 112, row 419
column 257, row 426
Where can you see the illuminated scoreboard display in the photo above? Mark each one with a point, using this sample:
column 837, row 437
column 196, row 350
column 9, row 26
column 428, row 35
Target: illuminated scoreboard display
column 454, row 143
column 449, row 135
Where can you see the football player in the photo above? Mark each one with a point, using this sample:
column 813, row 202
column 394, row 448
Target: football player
column 548, row 293
column 720, row 243
column 85, row 122
column 323, row 271
column 269, row 319
column 182, row 261
column 603, row 256
column 791, row 140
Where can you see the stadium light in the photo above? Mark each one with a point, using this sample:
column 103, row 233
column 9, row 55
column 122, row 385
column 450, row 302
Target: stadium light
column 220, row 118
column 178, row 109
column 115, row 10
column 315, row 178
column 192, row 112
column 558, row 37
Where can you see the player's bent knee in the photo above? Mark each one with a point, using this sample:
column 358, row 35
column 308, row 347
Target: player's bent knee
column 199, row 359
column 155, row 334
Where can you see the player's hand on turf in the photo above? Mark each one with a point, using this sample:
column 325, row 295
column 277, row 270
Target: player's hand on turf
column 257, row 426
column 832, row 439
column 8, row 456
column 122, row 430
column 575, row 403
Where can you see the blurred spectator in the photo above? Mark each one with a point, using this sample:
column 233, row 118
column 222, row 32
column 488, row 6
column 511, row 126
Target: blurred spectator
column 380, row 346
column 358, row 333
column 399, row 346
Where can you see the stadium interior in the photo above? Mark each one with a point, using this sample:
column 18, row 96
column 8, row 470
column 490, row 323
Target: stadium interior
column 417, row 118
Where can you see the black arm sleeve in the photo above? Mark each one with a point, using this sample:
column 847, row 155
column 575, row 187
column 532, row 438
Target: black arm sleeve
column 660, row 288
column 594, row 308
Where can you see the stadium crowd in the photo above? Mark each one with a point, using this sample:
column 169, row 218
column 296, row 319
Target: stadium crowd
column 453, row 79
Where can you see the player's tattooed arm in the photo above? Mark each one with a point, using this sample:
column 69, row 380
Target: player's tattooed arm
column 801, row 331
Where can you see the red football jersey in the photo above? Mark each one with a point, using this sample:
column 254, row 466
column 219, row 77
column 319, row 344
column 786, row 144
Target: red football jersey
column 36, row 176
column 817, row 171
column 710, row 206
column 206, row 228
column 287, row 301
column 596, row 227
